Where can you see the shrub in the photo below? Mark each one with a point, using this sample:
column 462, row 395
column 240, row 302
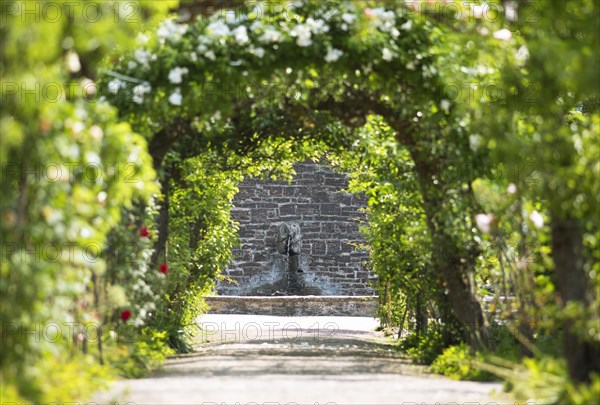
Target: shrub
column 425, row 348
column 582, row 394
column 146, row 353
column 458, row 363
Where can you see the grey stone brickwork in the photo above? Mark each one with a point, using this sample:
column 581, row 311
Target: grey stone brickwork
column 329, row 305
column 329, row 227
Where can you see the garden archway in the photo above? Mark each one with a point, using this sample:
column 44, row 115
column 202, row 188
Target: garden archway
column 313, row 73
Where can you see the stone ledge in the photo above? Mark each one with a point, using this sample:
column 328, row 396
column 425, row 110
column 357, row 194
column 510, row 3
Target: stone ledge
column 292, row 305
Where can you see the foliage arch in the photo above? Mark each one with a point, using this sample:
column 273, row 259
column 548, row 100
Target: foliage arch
column 312, row 72
column 496, row 184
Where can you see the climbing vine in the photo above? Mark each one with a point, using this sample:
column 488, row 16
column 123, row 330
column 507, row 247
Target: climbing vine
column 471, row 130
column 246, row 49
column 333, row 65
column 396, row 232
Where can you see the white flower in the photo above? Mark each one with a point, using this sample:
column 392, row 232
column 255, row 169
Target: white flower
column 537, row 219
column 175, row 75
column 388, row 16
column 333, row 55
column 115, row 85
column 218, row 29
column 484, row 70
column 92, row 157
column 387, row 54
column 77, row 127
column 131, row 65
column 270, row 35
column 260, row 52
column 522, row 54
column 143, row 56
column 102, row 196
column 317, row 26
column 504, row 34
column 170, row 30
column 512, row 188
column 72, row 62
column 81, row 113
column 85, row 232
column 304, row 41
column 445, row 104
column 256, row 26
column 241, row 35
column 478, row 10
column 231, row 17
column 139, row 91
column 88, row 86
column 210, row 55
column 484, row 222
column 142, row 38
column 384, row 20
column 410, row 65
column 257, row 10
column 96, row 132
column 381, row 14
column 474, row 142
column 303, row 35
column 510, row 11
column 175, row 98
column 73, row 151
column 468, row 70
column 407, row 25
column 348, row 18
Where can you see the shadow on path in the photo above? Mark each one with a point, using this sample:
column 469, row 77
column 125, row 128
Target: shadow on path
column 303, row 360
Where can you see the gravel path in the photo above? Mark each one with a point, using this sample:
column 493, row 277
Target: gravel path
column 301, row 360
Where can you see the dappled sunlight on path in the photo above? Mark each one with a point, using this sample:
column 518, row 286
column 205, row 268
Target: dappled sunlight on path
column 267, row 359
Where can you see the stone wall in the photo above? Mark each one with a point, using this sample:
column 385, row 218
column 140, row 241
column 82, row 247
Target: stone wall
column 295, row 306
column 328, row 220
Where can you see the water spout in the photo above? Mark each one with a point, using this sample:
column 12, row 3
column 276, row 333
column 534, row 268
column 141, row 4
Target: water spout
column 289, row 243
column 290, row 264
column 289, row 239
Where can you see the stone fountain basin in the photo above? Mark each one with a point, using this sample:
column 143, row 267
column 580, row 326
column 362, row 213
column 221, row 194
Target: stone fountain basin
column 294, row 305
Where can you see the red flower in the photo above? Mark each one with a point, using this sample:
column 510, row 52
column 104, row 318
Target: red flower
column 144, row 232
column 164, row 268
column 125, row 315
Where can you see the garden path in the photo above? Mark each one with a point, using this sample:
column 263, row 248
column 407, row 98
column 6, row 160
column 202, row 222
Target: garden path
column 246, row 359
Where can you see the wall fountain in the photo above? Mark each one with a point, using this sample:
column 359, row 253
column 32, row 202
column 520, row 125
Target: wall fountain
column 298, row 238
column 289, row 244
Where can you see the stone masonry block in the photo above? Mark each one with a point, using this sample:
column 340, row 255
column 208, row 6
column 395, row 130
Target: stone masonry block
column 328, row 221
